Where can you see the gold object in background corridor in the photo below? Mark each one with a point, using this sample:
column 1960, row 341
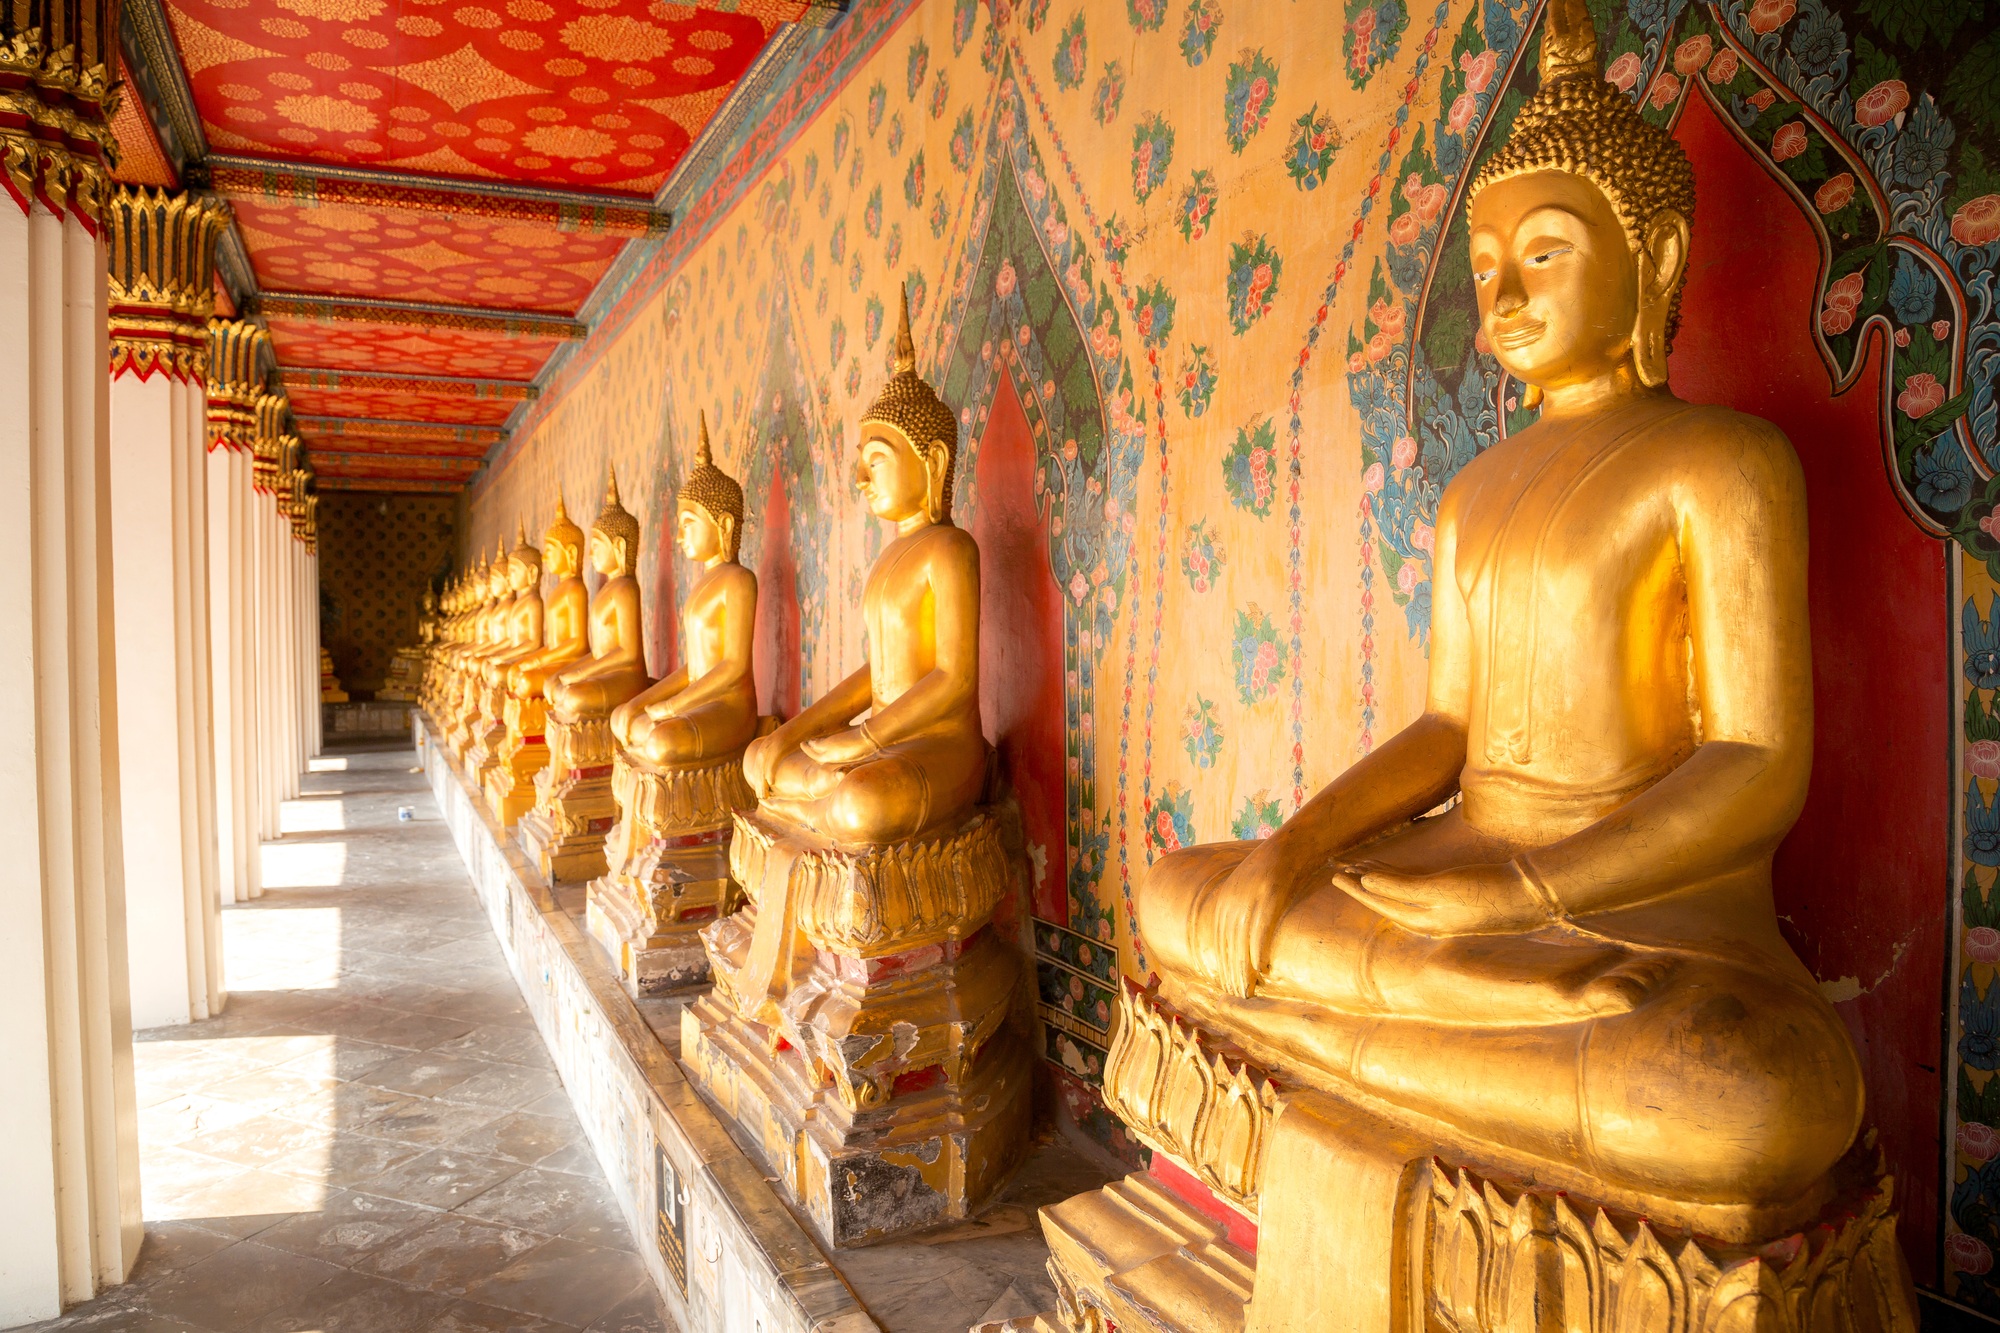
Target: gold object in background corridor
column 861, row 1026
column 677, row 773
column 564, row 833
column 1545, row 1058
column 523, row 640
column 510, row 789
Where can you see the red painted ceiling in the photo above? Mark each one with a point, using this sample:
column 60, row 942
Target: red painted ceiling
column 439, row 100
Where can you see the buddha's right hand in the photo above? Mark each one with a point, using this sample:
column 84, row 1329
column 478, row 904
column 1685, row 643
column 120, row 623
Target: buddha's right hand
column 1236, row 916
column 760, row 757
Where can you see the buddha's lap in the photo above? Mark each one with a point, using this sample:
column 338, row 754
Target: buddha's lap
column 901, row 791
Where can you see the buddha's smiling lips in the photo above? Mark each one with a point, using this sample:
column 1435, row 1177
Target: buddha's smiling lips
column 1514, row 337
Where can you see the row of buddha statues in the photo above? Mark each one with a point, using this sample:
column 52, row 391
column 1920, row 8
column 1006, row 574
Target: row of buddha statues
column 1496, row 1032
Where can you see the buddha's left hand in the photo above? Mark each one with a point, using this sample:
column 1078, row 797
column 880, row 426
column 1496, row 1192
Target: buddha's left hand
column 849, row 745
column 1489, row 899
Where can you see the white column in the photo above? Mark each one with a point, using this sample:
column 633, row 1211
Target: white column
column 68, row 1121
column 228, row 615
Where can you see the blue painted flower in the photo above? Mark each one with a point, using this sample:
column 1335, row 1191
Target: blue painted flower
column 1979, row 1017
column 1944, row 481
column 1982, row 644
column 1912, row 291
column 1170, row 820
column 1817, row 40
column 1982, row 830
column 1921, row 149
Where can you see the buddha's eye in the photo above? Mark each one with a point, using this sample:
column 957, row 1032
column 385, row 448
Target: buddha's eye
column 1541, row 258
column 1485, row 274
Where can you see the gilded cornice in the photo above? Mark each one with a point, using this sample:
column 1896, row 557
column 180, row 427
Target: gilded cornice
column 234, row 382
column 56, row 101
column 160, row 249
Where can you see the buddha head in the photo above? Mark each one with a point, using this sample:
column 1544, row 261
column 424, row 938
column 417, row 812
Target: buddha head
column 563, row 543
column 524, row 562
column 909, row 442
column 614, row 537
column 710, row 507
column 1580, row 226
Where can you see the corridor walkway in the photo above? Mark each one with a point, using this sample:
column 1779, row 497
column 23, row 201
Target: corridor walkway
column 372, row 1139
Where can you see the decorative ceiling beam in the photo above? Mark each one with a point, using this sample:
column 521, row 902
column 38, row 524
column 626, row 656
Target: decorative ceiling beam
column 311, row 185
column 376, row 428
column 466, row 318
column 408, row 485
column 330, row 463
column 443, row 386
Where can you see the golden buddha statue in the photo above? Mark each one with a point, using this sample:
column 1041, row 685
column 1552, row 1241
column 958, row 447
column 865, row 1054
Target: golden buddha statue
column 523, row 640
column 860, row 1021
column 1569, row 985
column 489, row 635
column 564, row 832
column 677, row 772
column 406, row 666
column 524, row 750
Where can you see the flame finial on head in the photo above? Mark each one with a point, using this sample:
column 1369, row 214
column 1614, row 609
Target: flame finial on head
column 909, row 405
column 524, row 551
column 713, row 489
column 614, row 522
column 562, row 530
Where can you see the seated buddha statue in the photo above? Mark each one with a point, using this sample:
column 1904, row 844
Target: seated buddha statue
column 615, row 670
column 1575, row 970
column 918, row 762
column 708, row 707
column 489, row 636
column 521, row 638
column 564, row 611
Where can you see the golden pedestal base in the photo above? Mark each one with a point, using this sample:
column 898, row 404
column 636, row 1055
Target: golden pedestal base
column 486, row 734
column 510, row 783
column 892, row 1093
column 564, row 833
column 667, row 869
column 1362, row 1227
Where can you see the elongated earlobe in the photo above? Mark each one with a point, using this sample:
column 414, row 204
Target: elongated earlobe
column 1662, row 261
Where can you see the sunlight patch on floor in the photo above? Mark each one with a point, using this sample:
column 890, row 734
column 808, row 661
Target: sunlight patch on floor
column 304, row 865
column 327, row 763
column 293, row 948
column 312, row 815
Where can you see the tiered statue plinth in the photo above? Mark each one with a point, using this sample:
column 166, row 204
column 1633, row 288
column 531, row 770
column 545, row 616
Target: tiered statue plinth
column 667, row 868
column 1365, row 1225
column 486, row 732
column 523, row 753
column 862, row 1026
column 574, row 806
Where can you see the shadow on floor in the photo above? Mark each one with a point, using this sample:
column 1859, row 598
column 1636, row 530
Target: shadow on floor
column 372, row 1138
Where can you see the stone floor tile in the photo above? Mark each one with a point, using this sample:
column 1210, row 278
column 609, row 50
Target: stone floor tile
column 348, row 1228
column 546, row 1201
column 641, row 1312
column 355, row 1303
column 169, row 1171
column 471, row 1317
column 117, row 1317
column 427, row 1123
column 449, row 1255
column 514, row 1087
column 352, row 1058
column 429, row 1074
column 234, row 1286
column 442, row 1178
column 268, row 1089
column 525, row 1137
column 243, row 1197
column 507, row 1045
column 172, row 1246
column 260, row 1140
column 346, row 1160
column 564, row 1280
column 189, row 1115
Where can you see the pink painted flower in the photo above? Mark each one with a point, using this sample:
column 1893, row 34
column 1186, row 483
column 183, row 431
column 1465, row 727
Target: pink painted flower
column 1479, row 69
column 1921, row 396
column 1079, row 587
column 1388, row 318
column 1990, row 525
column 1665, row 91
column 1977, row 1141
column 1836, row 320
column 1882, row 103
column 1006, row 280
column 1771, row 15
column 1423, row 537
column 1357, row 363
column 1982, row 944
column 1968, row 1254
column 1463, row 108
column 1405, row 229
column 1693, row 53
column 1762, row 98
column 1403, row 453
column 1846, row 292
column 1836, row 194
column 1379, row 348
column 1977, row 221
column 1260, row 670
column 1623, row 72
column 1940, row 329
column 1408, row 577
column 1163, row 831
column 1482, row 345
column 1902, row 337
column 1372, row 479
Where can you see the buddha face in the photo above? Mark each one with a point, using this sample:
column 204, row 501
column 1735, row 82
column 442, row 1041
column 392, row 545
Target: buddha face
column 607, row 555
column 891, row 475
column 1557, row 282
column 523, row 575
column 700, row 536
column 562, row 558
